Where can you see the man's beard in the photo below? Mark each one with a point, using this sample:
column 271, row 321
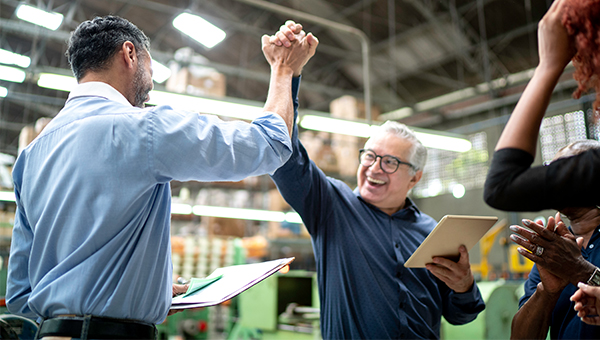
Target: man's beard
column 141, row 88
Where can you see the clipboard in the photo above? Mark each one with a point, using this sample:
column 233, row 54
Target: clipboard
column 450, row 233
column 228, row 282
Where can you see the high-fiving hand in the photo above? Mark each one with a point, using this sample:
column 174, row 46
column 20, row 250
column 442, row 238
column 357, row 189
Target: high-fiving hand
column 298, row 47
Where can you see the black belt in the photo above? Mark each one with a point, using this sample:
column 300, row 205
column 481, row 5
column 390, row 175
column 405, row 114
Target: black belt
column 92, row 327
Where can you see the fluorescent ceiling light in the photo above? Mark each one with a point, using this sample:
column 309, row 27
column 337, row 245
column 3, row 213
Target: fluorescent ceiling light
column 181, row 209
column 12, row 74
column 160, row 72
column 34, row 15
column 3, row 91
column 199, row 29
column 57, row 82
column 293, row 217
column 396, row 114
column 205, row 105
column 458, row 191
column 246, row 214
column 175, row 100
column 10, row 58
column 345, row 127
column 7, row 196
column 333, row 125
column 444, row 142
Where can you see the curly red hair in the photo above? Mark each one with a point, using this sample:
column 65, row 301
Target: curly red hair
column 581, row 19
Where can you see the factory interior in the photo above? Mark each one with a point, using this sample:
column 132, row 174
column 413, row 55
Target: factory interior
column 445, row 68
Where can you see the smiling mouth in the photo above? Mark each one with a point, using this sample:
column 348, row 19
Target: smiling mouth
column 375, row 181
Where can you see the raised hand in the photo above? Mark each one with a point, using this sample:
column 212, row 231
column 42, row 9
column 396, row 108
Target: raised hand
column 290, row 47
column 556, row 48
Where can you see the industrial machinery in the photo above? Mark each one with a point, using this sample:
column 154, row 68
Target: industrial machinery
column 284, row 306
column 15, row 327
column 501, row 303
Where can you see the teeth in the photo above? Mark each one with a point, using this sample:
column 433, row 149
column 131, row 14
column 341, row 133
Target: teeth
column 376, row 181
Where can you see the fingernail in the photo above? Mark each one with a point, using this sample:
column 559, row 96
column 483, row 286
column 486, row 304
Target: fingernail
column 513, row 228
column 580, row 284
column 514, row 237
column 526, row 222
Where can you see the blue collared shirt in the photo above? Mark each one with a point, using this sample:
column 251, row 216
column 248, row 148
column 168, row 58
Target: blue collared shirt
column 92, row 226
column 364, row 289
column 565, row 323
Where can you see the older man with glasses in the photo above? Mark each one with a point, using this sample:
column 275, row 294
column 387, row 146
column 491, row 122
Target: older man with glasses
column 362, row 237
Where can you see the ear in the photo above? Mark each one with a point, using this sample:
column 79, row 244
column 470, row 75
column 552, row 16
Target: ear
column 128, row 54
column 415, row 179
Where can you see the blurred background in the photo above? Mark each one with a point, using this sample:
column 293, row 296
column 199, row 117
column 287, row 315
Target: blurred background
column 449, row 69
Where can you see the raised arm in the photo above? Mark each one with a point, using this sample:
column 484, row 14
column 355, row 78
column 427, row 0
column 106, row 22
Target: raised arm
column 286, row 62
column 555, row 51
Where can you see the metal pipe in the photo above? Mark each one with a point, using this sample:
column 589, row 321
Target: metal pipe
column 364, row 40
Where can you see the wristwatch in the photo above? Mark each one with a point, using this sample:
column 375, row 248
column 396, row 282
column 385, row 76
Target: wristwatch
column 595, row 278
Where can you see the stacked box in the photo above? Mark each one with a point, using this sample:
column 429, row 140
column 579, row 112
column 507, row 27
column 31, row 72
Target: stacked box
column 197, row 81
column 346, row 147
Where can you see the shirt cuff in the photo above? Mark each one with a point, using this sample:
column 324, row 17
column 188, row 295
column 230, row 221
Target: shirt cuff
column 470, row 295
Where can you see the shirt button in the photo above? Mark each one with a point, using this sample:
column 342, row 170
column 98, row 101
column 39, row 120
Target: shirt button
column 591, row 246
column 401, row 304
column 397, row 245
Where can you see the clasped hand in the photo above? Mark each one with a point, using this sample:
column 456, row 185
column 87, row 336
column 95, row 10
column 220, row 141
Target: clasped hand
column 298, row 47
column 560, row 254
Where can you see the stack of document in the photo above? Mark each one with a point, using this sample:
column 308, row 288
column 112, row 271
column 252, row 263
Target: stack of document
column 225, row 283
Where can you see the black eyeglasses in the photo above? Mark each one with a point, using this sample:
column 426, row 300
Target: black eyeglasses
column 389, row 164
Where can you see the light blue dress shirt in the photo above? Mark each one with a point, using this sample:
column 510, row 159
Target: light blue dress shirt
column 92, row 226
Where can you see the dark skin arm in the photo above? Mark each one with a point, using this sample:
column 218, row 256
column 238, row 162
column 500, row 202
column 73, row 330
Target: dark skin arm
column 555, row 50
column 532, row 321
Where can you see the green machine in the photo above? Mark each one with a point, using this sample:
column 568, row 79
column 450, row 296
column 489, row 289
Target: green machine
column 501, row 303
column 284, row 306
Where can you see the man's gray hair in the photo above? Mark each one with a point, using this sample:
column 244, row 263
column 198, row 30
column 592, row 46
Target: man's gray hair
column 418, row 153
column 577, row 147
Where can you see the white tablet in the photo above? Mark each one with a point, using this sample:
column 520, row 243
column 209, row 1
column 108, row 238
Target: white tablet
column 448, row 235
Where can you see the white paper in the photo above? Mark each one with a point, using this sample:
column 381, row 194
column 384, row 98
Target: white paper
column 235, row 280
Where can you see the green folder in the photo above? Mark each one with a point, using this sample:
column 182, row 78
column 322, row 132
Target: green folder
column 197, row 284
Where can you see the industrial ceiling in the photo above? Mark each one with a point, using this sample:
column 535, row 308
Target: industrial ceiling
column 443, row 60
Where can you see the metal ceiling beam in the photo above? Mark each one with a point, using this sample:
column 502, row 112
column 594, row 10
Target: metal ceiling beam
column 18, row 27
column 364, row 40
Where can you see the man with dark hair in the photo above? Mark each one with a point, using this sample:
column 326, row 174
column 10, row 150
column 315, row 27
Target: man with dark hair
column 90, row 254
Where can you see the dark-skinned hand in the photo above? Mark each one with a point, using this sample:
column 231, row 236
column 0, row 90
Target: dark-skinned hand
column 562, row 251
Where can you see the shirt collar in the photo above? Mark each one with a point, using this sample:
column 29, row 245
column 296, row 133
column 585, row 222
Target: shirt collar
column 98, row 89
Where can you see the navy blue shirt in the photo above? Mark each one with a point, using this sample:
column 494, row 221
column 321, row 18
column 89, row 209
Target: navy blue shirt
column 364, row 289
column 565, row 324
